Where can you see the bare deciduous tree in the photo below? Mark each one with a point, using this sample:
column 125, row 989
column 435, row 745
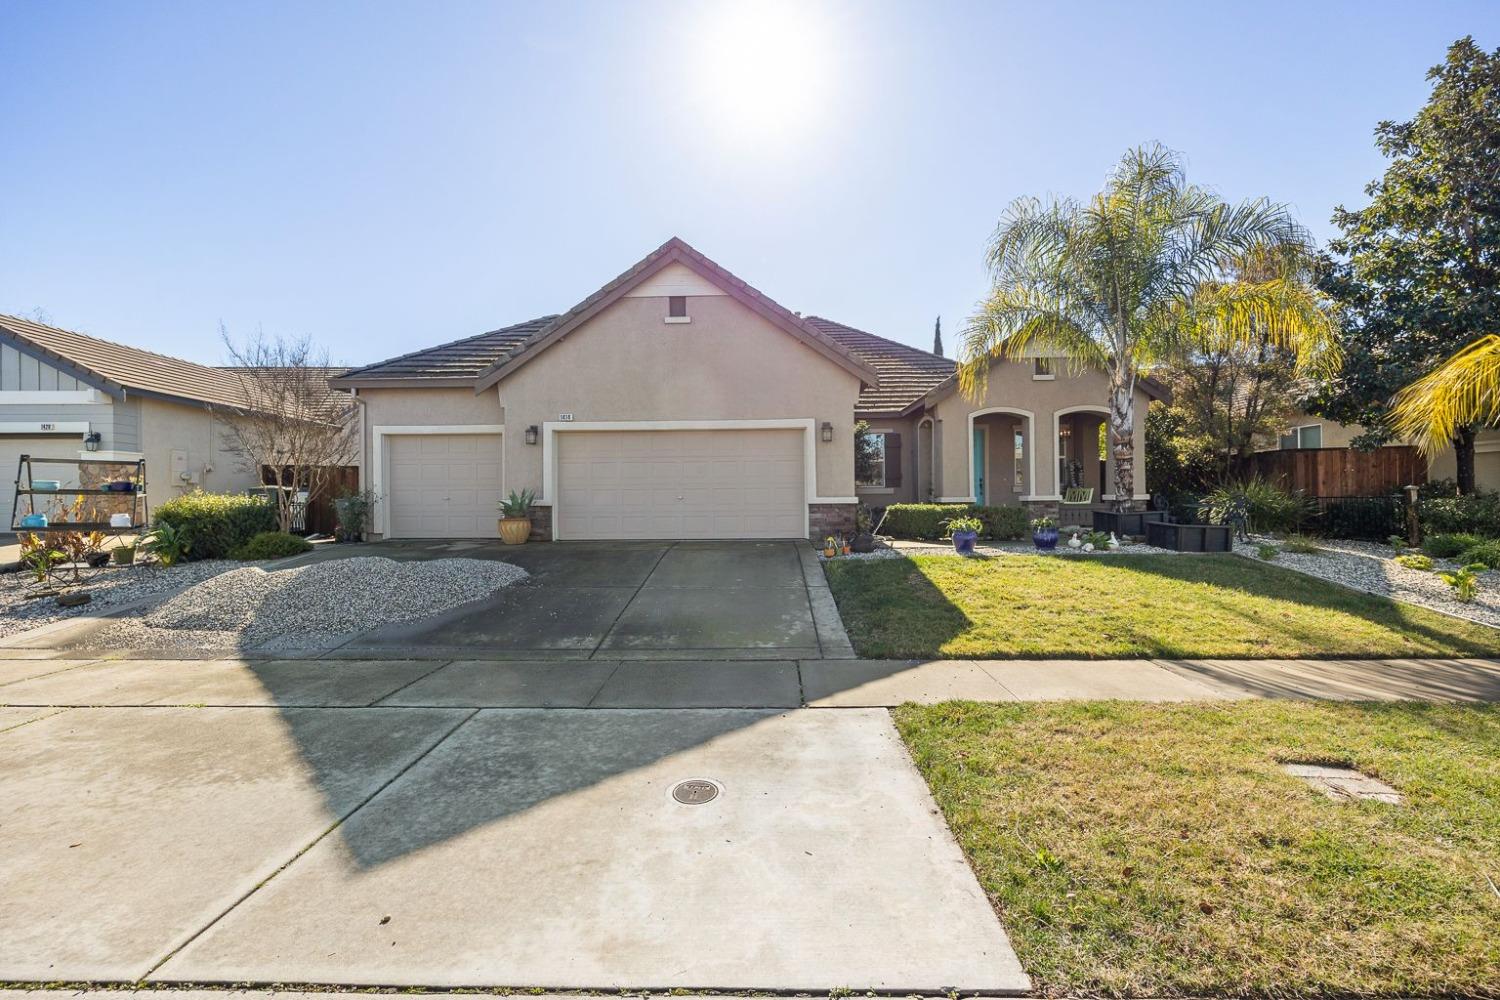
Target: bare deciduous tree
column 291, row 421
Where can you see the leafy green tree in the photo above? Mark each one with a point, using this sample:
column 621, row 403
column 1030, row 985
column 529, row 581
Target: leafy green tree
column 1141, row 274
column 1416, row 273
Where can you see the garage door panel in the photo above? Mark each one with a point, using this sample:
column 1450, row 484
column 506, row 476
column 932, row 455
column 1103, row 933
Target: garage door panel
column 681, row 484
column 444, row 485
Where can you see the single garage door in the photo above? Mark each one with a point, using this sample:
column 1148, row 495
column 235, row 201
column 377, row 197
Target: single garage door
column 47, row 446
column 443, row 485
column 681, row 484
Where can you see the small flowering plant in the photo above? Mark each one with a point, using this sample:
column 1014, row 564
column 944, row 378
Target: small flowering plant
column 1043, row 523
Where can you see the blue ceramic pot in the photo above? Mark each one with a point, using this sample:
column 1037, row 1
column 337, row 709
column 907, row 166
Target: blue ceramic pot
column 1045, row 539
column 963, row 542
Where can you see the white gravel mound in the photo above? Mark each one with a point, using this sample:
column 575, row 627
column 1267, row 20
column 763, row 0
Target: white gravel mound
column 250, row 606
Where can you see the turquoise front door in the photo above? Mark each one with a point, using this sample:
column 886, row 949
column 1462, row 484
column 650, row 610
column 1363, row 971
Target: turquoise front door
column 979, row 439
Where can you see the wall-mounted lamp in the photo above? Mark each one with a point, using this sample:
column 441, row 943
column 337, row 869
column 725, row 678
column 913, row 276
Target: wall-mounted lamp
column 827, row 432
column 531, row 433
column 91, row 440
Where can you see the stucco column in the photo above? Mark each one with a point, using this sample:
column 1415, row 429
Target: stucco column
column 1041, row 436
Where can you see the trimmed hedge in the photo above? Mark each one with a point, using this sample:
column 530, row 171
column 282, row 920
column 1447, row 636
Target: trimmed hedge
column 215, row 524
column 925, row 520
column 271, row 545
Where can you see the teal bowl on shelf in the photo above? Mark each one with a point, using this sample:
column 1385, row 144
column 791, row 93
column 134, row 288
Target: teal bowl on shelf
column 47, row 485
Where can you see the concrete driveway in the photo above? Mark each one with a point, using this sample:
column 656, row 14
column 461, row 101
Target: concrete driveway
column 625, row 600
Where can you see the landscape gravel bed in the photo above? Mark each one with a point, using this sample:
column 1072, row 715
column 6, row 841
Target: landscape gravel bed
column 1369, row 567
column 109, row 587
column 319, row 604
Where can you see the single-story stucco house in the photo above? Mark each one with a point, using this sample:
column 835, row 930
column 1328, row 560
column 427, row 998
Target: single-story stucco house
column 68, row 395
column 679, row 402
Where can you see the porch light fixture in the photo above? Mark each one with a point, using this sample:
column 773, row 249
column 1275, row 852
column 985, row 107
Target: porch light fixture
column 531, row 433
column 91, row 440
column 827, row 432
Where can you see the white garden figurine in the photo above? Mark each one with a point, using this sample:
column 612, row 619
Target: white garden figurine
column 1113, row 543
column 1075, row 542
column 1088, row 546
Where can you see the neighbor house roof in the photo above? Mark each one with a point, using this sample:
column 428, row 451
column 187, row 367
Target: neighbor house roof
column 482, row 360
column 458, row 362
column 119, row 370
column 906, row 373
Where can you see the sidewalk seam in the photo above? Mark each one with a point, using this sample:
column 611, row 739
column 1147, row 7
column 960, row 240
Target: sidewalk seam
column 173, row 952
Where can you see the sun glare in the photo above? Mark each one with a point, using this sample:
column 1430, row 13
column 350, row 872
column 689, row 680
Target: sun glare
column 762, row 69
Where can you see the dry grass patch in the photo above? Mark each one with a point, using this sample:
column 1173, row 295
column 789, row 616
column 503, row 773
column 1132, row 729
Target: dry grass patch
column 1139, row 850
column 1123, row 606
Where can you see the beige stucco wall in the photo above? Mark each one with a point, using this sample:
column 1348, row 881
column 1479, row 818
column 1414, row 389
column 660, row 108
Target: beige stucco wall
column 423, row 408
column 728, row 363
column 212, row 463
column 1012, row 385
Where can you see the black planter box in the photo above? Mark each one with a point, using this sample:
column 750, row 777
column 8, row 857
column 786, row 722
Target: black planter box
column 1188, row 537
column 1131, row 522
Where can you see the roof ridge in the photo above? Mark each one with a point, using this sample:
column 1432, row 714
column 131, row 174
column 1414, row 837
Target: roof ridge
column 4, row 317
column 544, row 319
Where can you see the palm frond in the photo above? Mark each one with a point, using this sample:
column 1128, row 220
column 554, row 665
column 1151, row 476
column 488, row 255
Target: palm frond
column 1461, row 391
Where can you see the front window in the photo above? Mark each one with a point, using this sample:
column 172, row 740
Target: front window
column 1307, row 436
column 1042, row 368
column 869, row 460
column 1020, row 450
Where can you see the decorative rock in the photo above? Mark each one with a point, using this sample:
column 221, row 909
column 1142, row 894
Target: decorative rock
column 76, row 599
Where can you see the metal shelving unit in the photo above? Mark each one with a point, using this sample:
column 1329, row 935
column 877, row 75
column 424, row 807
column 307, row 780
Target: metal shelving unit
column 140, row 510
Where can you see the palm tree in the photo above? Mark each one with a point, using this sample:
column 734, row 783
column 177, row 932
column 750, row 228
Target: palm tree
column 1144, row 271
column 1462, row 391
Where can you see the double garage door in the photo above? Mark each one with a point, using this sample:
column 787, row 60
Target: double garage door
column 680, row 484
column 610, row 484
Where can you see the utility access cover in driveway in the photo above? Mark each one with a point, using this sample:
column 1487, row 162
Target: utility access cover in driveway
column 547, row 848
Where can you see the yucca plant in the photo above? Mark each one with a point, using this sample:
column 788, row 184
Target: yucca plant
column 1146, row 271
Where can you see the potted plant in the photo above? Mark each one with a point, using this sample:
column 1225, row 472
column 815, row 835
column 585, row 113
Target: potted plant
column 515, row 517
column 864, row 538
column 829, row 548
column 1044, row 533
column 965, row 532
column 123, row 555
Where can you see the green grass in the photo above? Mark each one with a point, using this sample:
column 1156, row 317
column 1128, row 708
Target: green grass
column 1127, row 606
column 1148, row 850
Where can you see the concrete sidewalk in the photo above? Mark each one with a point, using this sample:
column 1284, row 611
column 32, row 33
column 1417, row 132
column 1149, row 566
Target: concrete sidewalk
column 686, row 684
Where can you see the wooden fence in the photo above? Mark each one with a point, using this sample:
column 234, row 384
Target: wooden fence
column 1338, row 472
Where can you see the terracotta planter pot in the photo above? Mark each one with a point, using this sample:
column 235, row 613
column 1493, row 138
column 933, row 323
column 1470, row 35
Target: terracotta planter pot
column 515, row 530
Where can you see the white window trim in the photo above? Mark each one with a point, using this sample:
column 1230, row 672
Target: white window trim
column 808, row 427
column 380, row 432
column 879, row 487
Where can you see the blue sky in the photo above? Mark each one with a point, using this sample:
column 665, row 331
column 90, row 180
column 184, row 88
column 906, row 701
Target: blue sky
column 384, row 176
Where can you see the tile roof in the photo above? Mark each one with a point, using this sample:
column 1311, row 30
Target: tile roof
column 119, row 367
column 906, row 373
column 458, row 359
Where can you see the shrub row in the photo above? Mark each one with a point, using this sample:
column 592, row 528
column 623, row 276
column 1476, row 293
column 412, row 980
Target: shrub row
column 1475, row 513
column 925, row 520
column 216, row 524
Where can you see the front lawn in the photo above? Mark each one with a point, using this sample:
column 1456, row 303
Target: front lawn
column 1126, row 606
column 1148, row 850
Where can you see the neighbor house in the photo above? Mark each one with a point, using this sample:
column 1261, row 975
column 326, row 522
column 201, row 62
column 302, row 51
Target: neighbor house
column 1305, row 430
column 67, row 395
column 679, row 402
